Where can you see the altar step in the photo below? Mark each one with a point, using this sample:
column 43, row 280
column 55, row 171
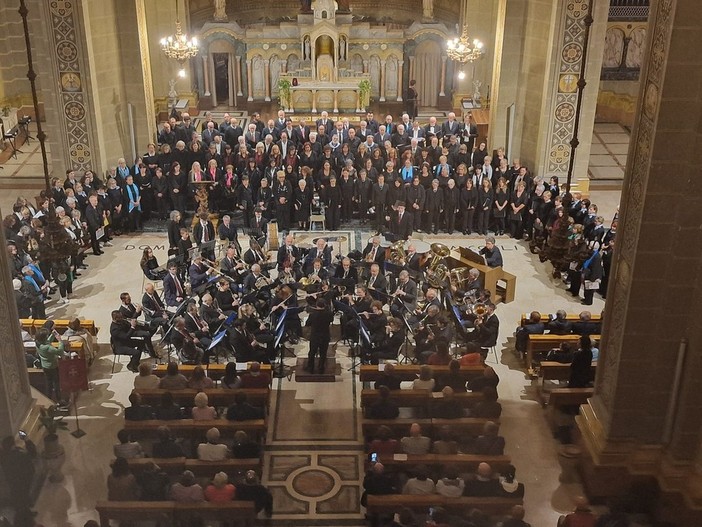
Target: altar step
column 331, row 370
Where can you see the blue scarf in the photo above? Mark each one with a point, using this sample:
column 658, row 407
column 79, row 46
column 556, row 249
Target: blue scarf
column 33, row 282
column 37, row 272
column 588, row 262
column 133, row 197
column 407, row 174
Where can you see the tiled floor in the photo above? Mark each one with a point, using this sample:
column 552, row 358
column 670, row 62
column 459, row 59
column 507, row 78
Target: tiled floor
column 608, row 154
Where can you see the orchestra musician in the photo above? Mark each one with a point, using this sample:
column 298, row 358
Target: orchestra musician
column 133, row 312
column 345, row 275
column 199, row 273
column 320, row 319
column 424, row 335
column 210, row 313
column 203, row 231
column 405, row 295
column 373, row 251
column 391, row 342
column 377, row 280
column 227, row 231
column 227, row 301
column 187, row 345
column 124, row 340
column 288, row 253
column 232, row 266
column 198, row 329
column 323, row 251
column 153, row 308
column 360, row 302
column 289, row 275
column 149, row 265
column 255, row 281
column 255, row 255
column 173, row 290
column 431, row 298
column 256, row 327
column 316, row 275
column 486, row 330
column 285, row 298
column 184, row 246
column 375, row 320
column 245, row 345
column 412, row 260
column 437, row 331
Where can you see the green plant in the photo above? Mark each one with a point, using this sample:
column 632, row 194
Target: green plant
column 284, row 92
column 364, row 88
column 51, row 419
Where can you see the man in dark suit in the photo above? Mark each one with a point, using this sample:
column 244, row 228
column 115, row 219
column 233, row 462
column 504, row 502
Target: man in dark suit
column 288, row 251
column 184, row 131
column 486, row 329
column 371, row 122
column 413, row 260
column 259, row 225
column 373, row 251
column 284, row 144
column 363, row 131
column 323, row 251
column 203, row 232
column 432, row 129
column 559, row 325
column 376, row 279
column 232, row 134
column 280, row 121
column 399, row 138
column 382, row 135
column 379, row 197
column 173, row 290
column 401, row 222
column 154, row 310
column 252, row 136
column 243, row 342
column 94, row 219
column 124, row 342
column 585, row 325
column 345, row 275
column 450, row 126
column 324, row 121
column 534, row 326
column 270, row 129
column 417, row 132
column 227, row 231
column 406, row 294
column 469, row 132
column 301, row 133
column 209, row 133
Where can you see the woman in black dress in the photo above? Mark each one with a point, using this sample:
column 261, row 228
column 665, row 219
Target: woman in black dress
column 516, row 209
column 500, row 212
column 469, row 202
column 302, row 202
column 177, row 187
column 149, row 264
column 485, row 199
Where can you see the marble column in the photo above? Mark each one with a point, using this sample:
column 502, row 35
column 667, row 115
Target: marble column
column 230, row 72
column 206, row 75
column 249, row 80
column 314, row 101
column 646, row 412
column 15, row 395
column 267, row 75
column 411, row 67
column 382, row 80
column 400, row 66
column 336, row 101
column 239, row 93
column 443, row 76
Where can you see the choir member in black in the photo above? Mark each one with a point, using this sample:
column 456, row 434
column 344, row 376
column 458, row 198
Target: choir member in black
column 177, row 186
column 199, row 274
column 485, row 199
column 320, row 319
column 363, row 188
column 227, row 231
column 288, row 253
column 159, row 187
column 347, row 186
column 332, row 197
column 263, row 199
column 396, row 192
column 94, row 217
column 379, row 197
column 244, row 200
column 124, row 341
column 153, row 308
column 149, row 265
column 227, row 301
column 592, row 276
column 415, row 198
column 345, row 275
column 433, row 206
column 400, row 222
column 302, row 201
column 198, row 329
column 500, row 206
column 517, row 210
column 534, row 211
column 452, row 196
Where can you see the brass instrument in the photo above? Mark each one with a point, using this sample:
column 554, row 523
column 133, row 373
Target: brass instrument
column 459, row 275
column 262, row 281
column 439, row 271
column 310, row 279
column 397, row 251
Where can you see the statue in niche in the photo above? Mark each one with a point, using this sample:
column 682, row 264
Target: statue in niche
column 306, row 52
column 305, row 6
column 342, row 48
column 476, row 94
column 220, row 11
column 428, row 9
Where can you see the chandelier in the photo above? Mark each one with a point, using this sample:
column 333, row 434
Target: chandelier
column 462, row 49
column 179, row 46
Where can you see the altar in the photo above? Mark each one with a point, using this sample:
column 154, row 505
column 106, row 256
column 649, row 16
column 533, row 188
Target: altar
column 341, row 96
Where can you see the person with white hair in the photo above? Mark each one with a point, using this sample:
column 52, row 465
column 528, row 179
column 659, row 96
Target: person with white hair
column 220, row 489
column 213, row 450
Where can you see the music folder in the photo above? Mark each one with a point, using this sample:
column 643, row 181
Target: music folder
column 217, row 339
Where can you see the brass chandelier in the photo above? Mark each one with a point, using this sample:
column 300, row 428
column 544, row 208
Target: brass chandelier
column 179, row 46
column 462, row 49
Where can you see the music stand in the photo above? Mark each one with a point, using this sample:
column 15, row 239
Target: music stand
column 207, row 248
column 281, row 370
column 216, row 340
column 364, row 340
column 408, row 331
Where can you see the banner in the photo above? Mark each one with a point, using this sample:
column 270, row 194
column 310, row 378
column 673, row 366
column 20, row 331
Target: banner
column 73, row 375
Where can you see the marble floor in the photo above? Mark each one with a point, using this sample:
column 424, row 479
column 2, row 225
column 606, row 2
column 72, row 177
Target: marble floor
column 609, row 152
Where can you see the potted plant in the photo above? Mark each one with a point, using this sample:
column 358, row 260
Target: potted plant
column 364, row 88
column 284, row 93
column 54, row 455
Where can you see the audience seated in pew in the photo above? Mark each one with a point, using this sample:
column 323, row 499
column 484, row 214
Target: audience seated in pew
column 166, row 446
column 220, row 489
column 488, row 378
column 383, row 444
column 243, row 447
column 198, row 380
column 442, row 355
column 415, row 443
column 186, row 489
column 252, row 490
column 384, row 407
column 255, row 378
column 202, row 411
column 153, row 483
column 511, row 488
column 146, row 380
column 388, row 378
column 127, row 448
column 533, row 327
column 516, row 518
column 173, row 380
column 138, row 411
column 562, row 354
column 121, row 483
column 582, row 516
column 453, row 378
column 471, row 356
column 378, row 482
column 426, row 379
column 213, row 450
column 450, row 485
column 168, row 410
column 420, row 484
column 483, row 483
column 488, row 407
column 241, row 410
column 586, row 326
column 231, row 379
column 446, row 407
column 559, row 325
column 446, row 444
column 489, row 443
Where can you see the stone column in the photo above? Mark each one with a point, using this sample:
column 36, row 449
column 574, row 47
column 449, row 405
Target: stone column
column 230, row 72
column 150, row 106
column 314, row 101
column 646, row 413
column 443, row 76
column 411, row 67
column 366, row 64
column 382, row 80
column 239, row 93
column 267, row 75
column 400, row 66
column 283, row 66
column 206, row 75
column 291, row 109
column 249, row 80
column 336, row 101
column 15, row 395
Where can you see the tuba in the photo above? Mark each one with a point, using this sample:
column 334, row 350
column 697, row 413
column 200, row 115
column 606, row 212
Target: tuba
column 439, row 271
column 397, row 251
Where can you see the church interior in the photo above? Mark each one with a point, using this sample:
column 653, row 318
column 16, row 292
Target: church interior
column 594, row 107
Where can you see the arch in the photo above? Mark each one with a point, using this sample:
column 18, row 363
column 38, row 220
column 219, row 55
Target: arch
column 293, row 62
column 427, row 71
column 356, row 63
column 325, row 58
column 613, row 48
column 636, row 48
column 221, row 54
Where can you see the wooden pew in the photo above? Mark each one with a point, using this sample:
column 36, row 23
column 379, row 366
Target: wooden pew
column 419, row 398
column 409, row 372
column 201, row 469
column 395, row 502
column 196, row 430
column 546, row 342
column 465, row 426
column 570, row 317
column 461, row 462
column 169, row 512
column 561, row 397
column 216, row 396
column 554, row 371
column 60, row 325
column 214, row 371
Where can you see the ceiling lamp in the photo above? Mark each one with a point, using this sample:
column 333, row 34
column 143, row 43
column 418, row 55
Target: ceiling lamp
column 179, row 46
column 464, row 49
